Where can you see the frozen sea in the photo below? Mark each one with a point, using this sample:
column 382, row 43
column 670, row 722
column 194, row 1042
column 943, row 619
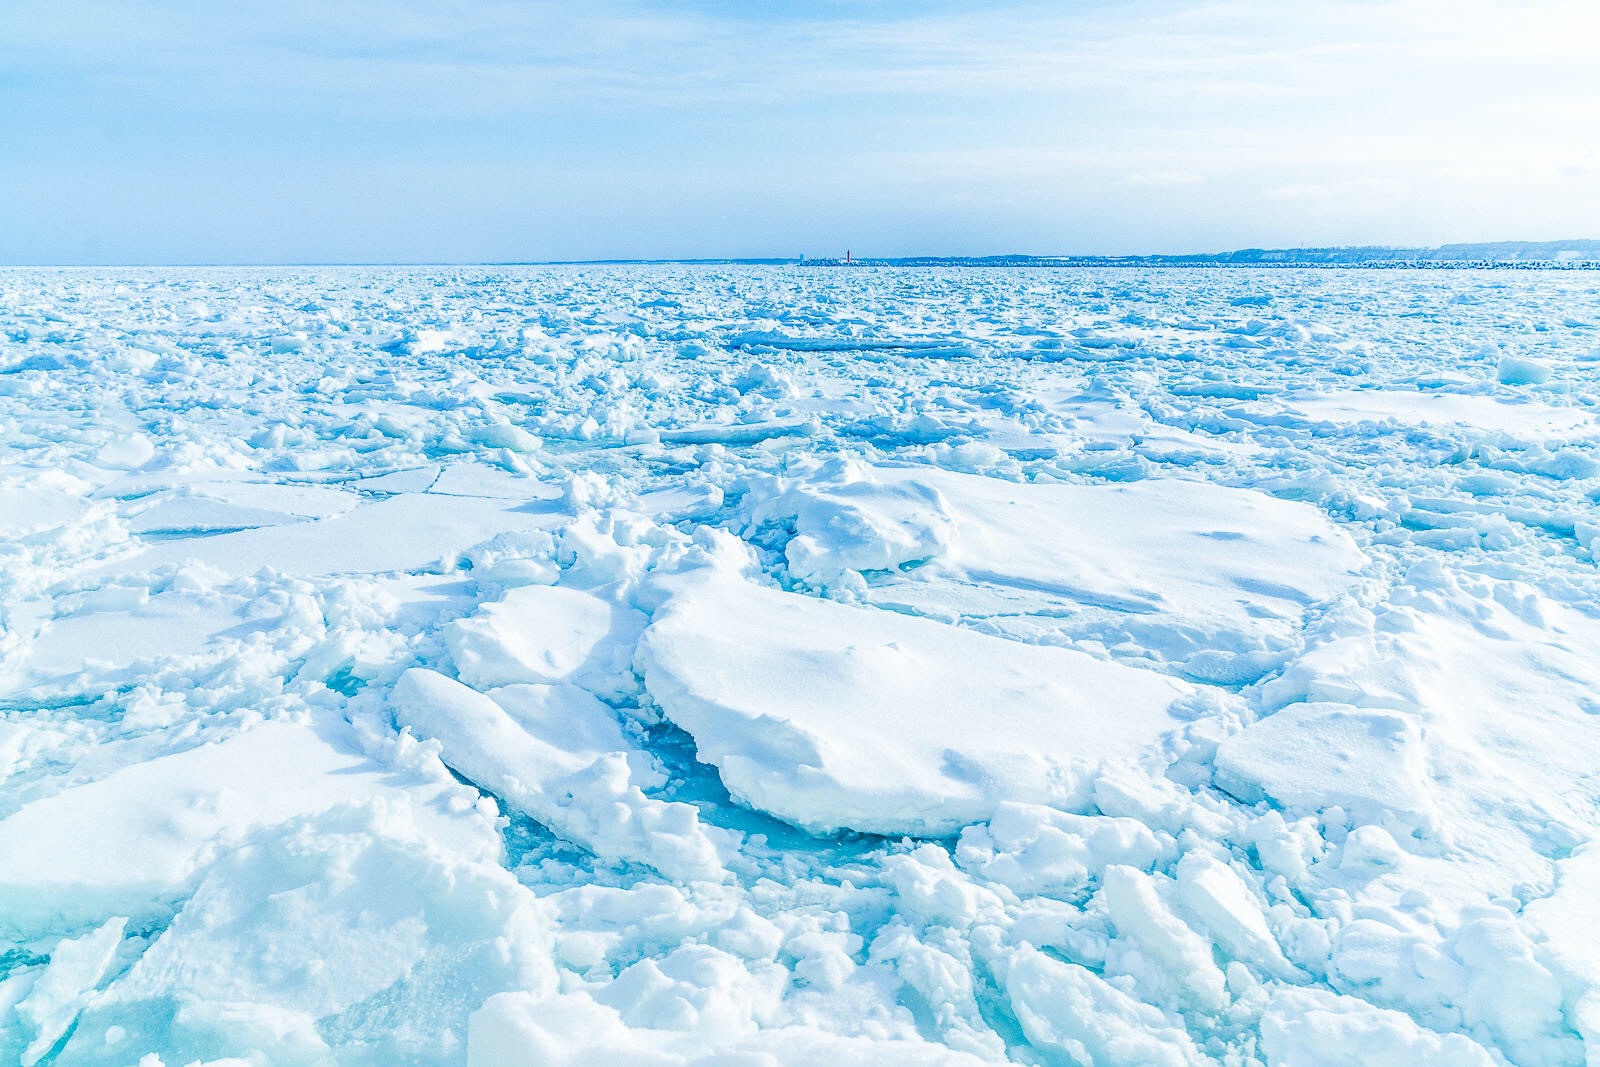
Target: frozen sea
column 750, row 666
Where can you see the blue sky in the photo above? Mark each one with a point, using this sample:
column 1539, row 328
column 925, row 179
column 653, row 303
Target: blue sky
column 295, row 131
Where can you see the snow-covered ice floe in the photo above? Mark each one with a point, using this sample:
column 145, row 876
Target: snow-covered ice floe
column 773, row 666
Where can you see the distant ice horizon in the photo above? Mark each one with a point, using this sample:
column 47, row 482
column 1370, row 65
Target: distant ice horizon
column 1584, row 249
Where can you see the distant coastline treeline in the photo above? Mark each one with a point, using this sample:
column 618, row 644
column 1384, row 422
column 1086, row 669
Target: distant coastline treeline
column 1517, row 255
column 1500, row 255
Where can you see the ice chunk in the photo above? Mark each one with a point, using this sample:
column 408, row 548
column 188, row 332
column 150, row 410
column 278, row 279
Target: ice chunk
column 179, row 516
column 1500, row 679
column 1070, row 1009
column 585, row 793
column 574, row 1030
column 930, row 887
column 135, row 837
column 482, row 480
column 845, row 520
column 1031, row 848
column 1190, row 548
column 169, row 624
column 125, row 452
column 292, row 499
column 1405, row 407
column 351, row 909
column 1510, row 992
column 38, row 505
column 1170, row 953
column 21, row 743
column 1215, row 895
column 1184, row 566
column 1369, row 762
column 403, row 533
column 1566, row 922
column 76, row 967
column 1519, row 370
column 1311, row 1028
column 831, row 716
column 543, row 634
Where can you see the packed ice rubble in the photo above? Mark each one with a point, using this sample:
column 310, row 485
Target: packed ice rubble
column 689, row 665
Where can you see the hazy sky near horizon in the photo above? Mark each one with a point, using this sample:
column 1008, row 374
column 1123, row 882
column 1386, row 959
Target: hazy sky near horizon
column 445, row 130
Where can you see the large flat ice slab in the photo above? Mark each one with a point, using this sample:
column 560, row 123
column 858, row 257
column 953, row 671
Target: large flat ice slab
column 1190, row 570
column 136, row 837
column 403, row 533
column 1201, row 551
column 1436, row 409
column 831, row 717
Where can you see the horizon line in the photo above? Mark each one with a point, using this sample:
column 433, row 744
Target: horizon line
column 872, row 260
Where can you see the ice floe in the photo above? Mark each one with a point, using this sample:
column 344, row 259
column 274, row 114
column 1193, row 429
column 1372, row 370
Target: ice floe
column 761, row 665
column 835, row 717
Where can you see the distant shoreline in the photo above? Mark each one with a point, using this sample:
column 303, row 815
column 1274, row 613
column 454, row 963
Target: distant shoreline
column 1575, row 254
column 1503, row 255
column 1212, row 262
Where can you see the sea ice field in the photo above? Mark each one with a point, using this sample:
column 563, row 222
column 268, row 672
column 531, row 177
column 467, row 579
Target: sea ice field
column 748, row 666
